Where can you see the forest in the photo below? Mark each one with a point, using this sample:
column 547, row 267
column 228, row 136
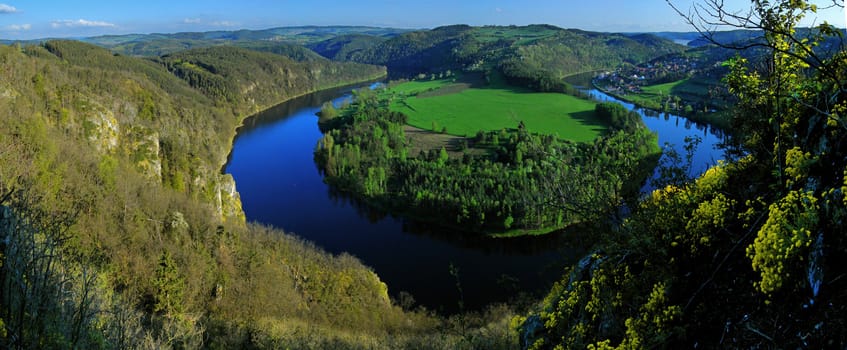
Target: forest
column 522, row 183
column 120, row 232
column 748, row 254
column 118, row 229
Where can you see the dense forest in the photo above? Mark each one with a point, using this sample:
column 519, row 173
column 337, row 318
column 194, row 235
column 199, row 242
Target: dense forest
column 748, row 255
column 118, row 230
column 538, row 56
column 288, row 38
column 240, row 77
column 520, row 183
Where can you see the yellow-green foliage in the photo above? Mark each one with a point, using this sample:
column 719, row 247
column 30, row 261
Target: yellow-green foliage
column 624, row 300
column 152, row 251
column 690, row 217
column 784, row 239
column 784, row 203
column 487, row 330
column 655, row 320
column 797, row 165
column 580, row 309
column 709, row 217
column 307, row 284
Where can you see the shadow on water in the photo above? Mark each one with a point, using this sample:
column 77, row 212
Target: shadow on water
column 291, row 107
column 517, row 246
column 273, row 165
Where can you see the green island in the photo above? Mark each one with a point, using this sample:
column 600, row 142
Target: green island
column 533, row 163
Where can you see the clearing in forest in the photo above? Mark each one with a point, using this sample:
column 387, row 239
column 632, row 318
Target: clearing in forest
column 463, row 106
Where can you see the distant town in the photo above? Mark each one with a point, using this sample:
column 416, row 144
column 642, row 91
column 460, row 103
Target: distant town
column 680, row 83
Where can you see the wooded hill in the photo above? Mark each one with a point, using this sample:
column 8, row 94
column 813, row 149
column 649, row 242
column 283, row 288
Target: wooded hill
column 118, row 230
column 291, row 37
column 528, row 54
column 535, row 56
column 243, row 78
column 110, row 187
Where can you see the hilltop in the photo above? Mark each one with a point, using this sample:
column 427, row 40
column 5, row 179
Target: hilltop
column 538, row 55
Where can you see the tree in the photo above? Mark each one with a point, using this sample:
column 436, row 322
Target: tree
column 765, row 227
column 792, row 116
column 169, row 286
column 45, row 301
column 328, row 111
column 443, row 157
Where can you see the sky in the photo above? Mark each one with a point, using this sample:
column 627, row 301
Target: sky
column 33, row 19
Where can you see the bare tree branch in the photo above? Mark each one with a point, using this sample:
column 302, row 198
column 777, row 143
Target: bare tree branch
column 709, row 16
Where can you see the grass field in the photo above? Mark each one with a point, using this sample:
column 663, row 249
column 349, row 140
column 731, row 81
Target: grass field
column 664, row 89
column 464, row 108
column 692, row 90
column 654, row 96
column 523, row 35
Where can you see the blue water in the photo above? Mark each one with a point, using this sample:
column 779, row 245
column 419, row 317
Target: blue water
column 673, row 130
column 280, row 185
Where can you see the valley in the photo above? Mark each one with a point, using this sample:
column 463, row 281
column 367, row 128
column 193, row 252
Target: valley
column 459, row 187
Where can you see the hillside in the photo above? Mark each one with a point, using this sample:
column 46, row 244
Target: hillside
column 748, row 255
column 162, row 44
column 537, row 56
column 344, row 47
column 518, row 51
column 119, row 231
column 251, row 81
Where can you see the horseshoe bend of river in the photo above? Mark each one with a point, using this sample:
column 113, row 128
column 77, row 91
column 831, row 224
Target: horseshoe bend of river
column 280, row 185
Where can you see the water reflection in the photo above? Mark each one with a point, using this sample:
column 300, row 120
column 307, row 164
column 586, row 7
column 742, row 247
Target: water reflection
column 672, row 130
column 530, row 245
column 281, row 186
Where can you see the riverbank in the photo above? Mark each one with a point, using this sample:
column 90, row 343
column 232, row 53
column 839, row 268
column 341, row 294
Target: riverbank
column 280, row 186
column 274, row 166
column 515, row 187
column 258, row 109
column 717, row 119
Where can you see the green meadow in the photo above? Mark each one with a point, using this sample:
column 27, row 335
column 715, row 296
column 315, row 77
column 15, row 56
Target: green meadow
column 463, row 108
column 690, row 89
column 664, row 89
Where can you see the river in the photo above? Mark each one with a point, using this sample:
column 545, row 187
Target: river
column 280, row 185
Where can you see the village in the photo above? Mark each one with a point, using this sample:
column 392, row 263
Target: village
column 683, row 84
column 630, row 79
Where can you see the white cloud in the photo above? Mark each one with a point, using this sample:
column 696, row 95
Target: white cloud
column 19, row 27
column 67, row 23
column 209, row 23
column 7, row 9
column 224, row 24
column 498, row 10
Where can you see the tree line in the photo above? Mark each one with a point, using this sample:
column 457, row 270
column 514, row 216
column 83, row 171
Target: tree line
column 524, row 182
column 97, row 252
column 750, row 254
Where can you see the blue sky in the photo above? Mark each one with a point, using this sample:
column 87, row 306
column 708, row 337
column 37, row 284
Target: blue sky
column 28, row 19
